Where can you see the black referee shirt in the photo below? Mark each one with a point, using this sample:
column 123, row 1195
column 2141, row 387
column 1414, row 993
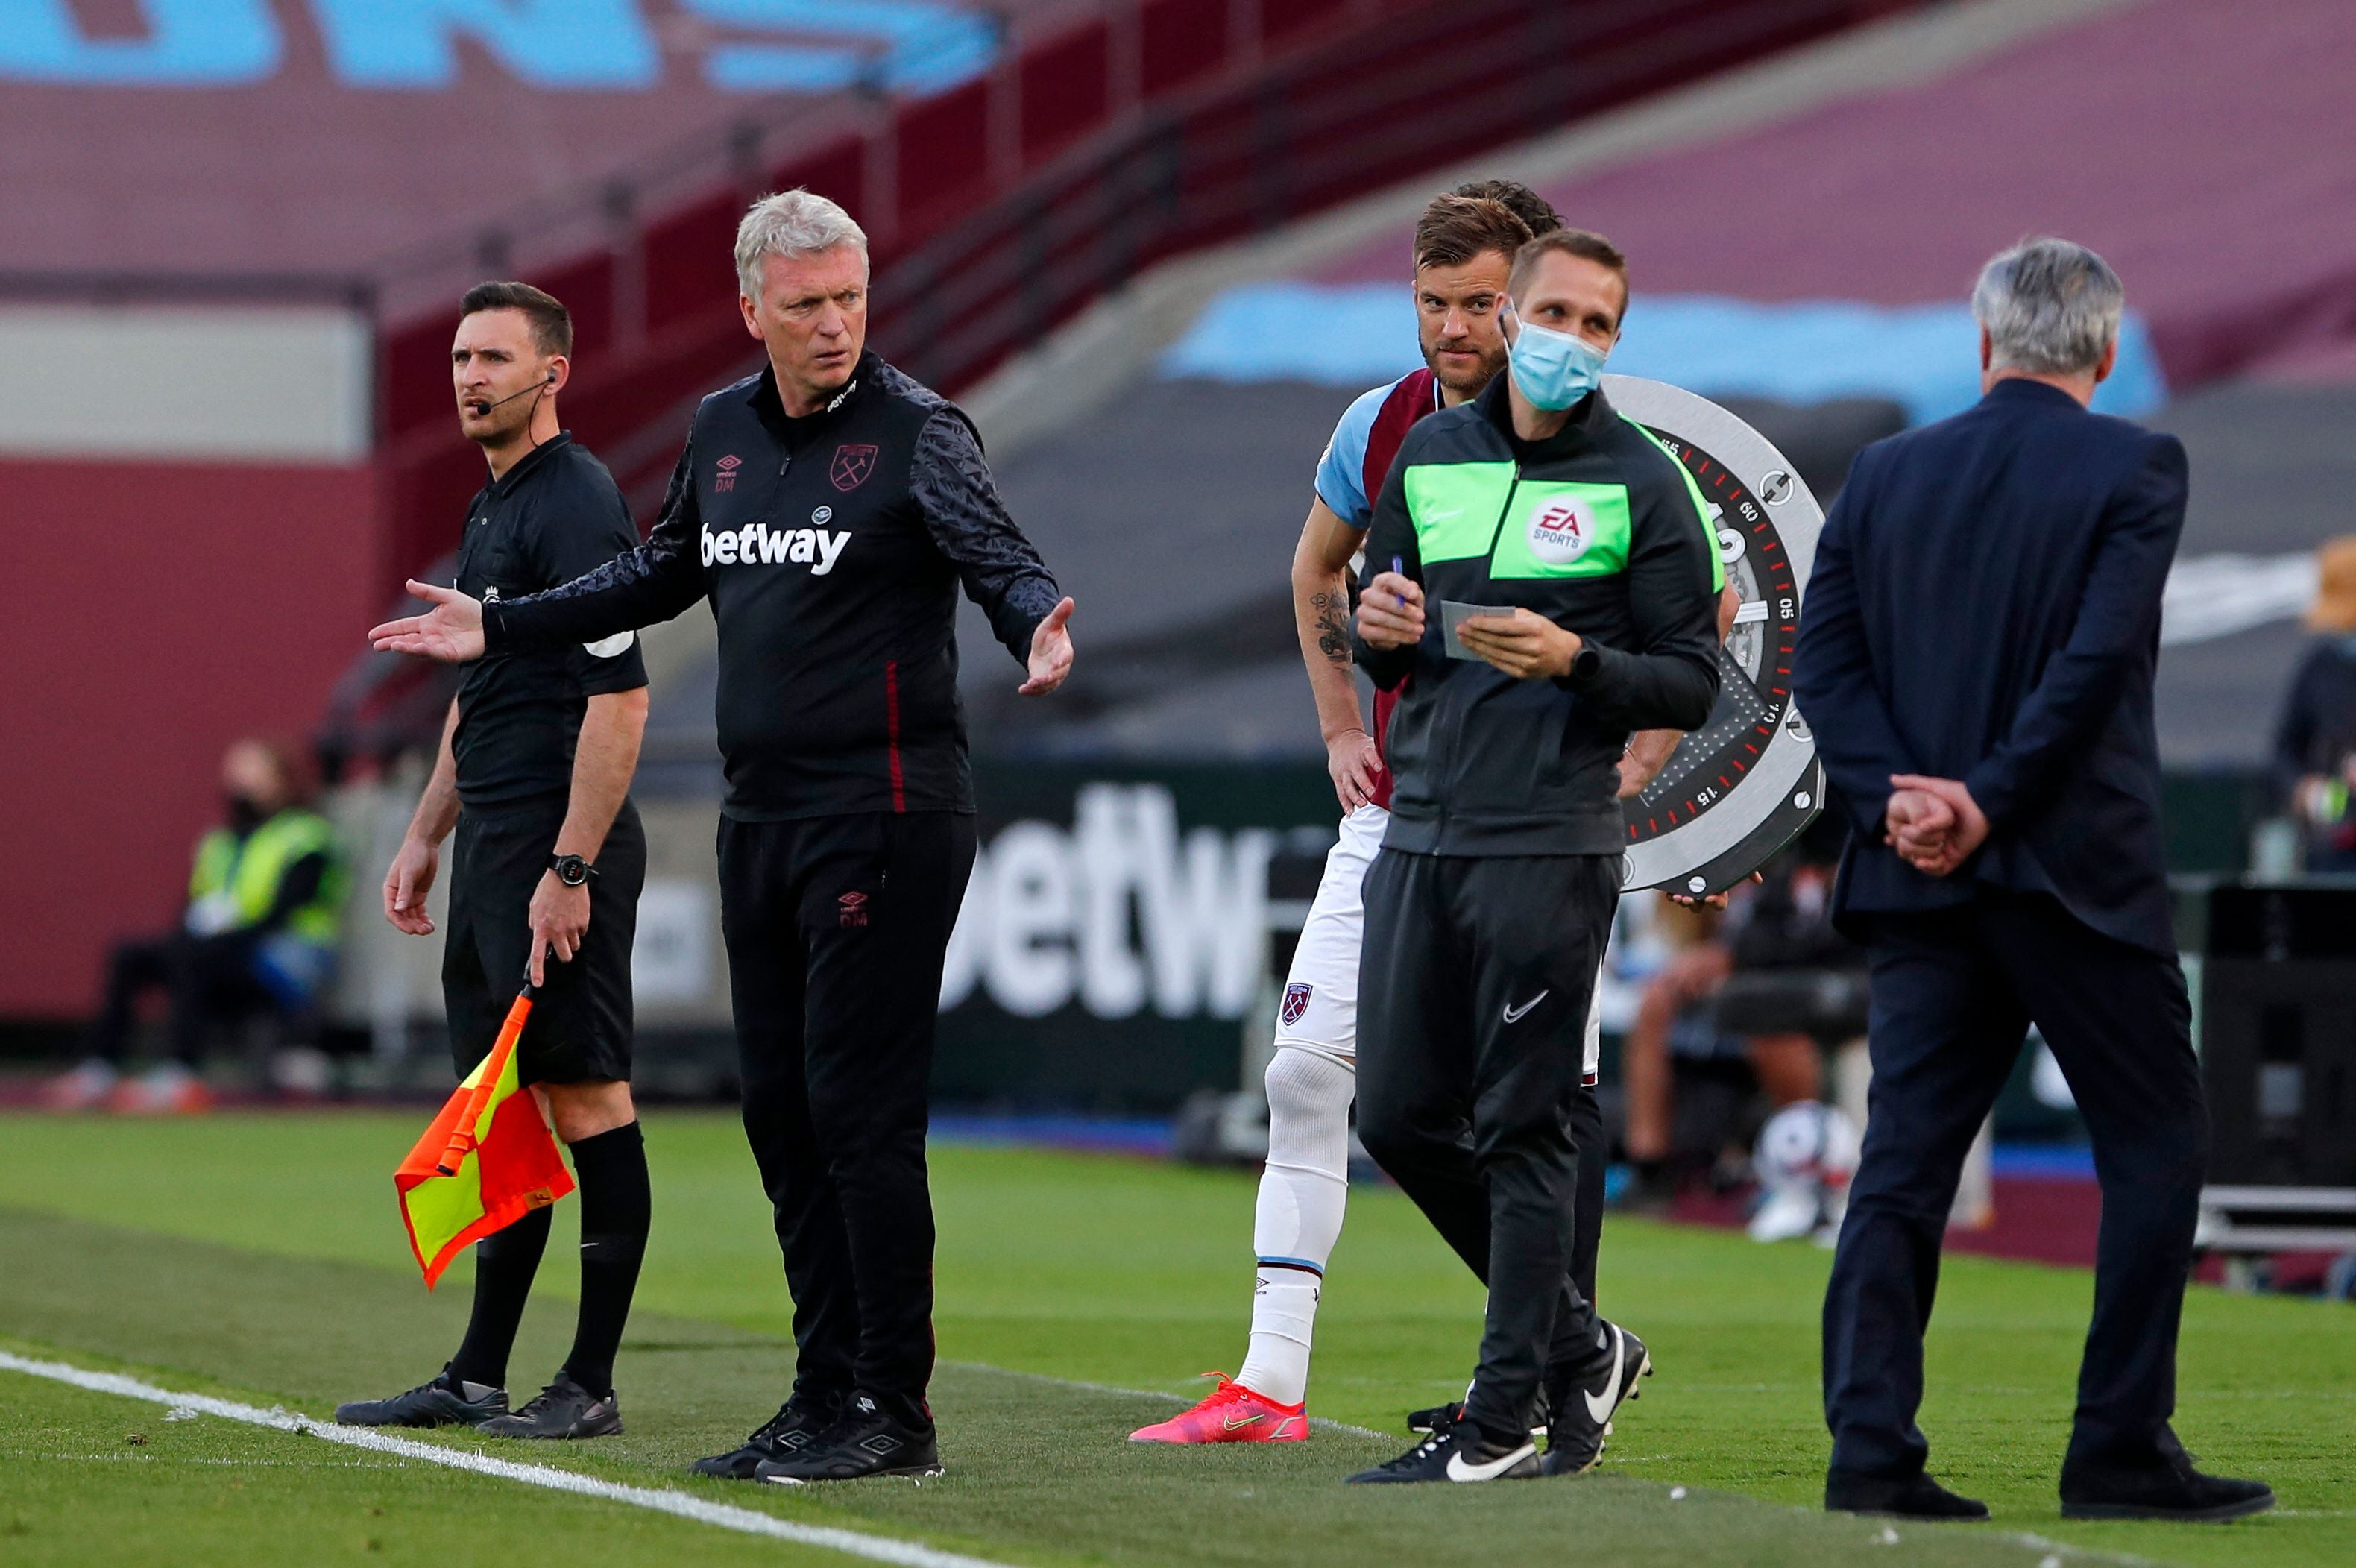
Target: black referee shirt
column 554, row 515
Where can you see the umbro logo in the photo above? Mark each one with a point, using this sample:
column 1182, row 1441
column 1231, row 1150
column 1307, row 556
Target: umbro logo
column 727, row 480
column 853, row 908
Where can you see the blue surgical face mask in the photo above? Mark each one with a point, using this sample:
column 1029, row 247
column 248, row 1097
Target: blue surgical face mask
column 1553, row 369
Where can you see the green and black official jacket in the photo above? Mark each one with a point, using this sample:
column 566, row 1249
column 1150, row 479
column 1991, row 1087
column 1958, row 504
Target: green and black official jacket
column 1598, row 530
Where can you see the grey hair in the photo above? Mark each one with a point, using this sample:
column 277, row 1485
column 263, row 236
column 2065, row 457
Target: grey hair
column 2049, row 307
column 790, row 223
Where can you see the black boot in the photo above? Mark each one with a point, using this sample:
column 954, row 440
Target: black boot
column 794, row 1427
column 2165, row 1486
column 1908, row 1497
column 869, row 1440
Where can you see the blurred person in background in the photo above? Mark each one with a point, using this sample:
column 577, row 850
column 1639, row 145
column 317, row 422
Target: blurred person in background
column 1782, row 924
column 258, row 936
column 2315, row 740
column 534, row 775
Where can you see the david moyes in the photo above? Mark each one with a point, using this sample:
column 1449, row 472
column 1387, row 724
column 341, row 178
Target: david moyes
column 829, row 507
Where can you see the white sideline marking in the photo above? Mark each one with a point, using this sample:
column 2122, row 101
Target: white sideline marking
column 746, row 1521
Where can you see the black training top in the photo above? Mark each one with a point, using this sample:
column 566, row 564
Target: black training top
column 831, row 547
column 1596, row 528
column 554, row 515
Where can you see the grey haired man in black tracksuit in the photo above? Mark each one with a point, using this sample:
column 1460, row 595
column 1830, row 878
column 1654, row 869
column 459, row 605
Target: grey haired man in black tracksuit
column 830, row 507
column 1487, row 911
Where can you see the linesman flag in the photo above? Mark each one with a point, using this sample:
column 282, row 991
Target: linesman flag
column 487, row 1160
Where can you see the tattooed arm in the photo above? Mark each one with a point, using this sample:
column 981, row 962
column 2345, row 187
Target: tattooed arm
column 1321, row 613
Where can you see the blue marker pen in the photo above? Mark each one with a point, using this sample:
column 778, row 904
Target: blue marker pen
column 1399, row 568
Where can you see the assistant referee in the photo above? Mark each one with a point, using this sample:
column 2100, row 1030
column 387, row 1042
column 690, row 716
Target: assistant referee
column 829, row 507
column 534, row 772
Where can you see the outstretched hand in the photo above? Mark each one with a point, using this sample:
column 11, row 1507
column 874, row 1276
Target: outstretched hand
column 1051, row 652
column 451, row 632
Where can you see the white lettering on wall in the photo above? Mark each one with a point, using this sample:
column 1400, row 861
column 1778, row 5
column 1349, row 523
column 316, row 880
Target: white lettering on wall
column 1115, row 911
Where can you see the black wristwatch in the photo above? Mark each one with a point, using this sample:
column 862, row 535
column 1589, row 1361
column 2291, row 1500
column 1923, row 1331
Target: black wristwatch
column 572, row 870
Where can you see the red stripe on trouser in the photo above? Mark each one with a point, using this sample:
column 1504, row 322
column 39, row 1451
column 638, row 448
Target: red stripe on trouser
column 892, row 728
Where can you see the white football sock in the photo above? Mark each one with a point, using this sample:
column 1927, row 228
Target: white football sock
column 1302, row 1192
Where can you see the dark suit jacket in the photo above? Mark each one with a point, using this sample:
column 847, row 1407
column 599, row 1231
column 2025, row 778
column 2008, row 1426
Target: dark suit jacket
column 1985, row 606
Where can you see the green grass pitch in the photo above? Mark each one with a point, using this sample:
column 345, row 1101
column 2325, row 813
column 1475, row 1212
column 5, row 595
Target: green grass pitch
column 260, row 1258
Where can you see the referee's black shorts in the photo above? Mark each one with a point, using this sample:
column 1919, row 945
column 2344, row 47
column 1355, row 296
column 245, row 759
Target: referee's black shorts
column 580, row 1026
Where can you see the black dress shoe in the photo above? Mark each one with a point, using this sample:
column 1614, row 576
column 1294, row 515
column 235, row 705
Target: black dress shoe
column 2166, row 1487
column 1911, row 1497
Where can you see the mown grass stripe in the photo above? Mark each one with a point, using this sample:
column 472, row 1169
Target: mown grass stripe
column 748, row 1521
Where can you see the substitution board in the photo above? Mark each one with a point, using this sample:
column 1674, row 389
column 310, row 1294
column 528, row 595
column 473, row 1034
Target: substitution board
column 1743, row 785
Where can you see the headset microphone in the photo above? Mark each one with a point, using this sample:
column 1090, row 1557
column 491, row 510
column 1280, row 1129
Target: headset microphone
column 479, row 407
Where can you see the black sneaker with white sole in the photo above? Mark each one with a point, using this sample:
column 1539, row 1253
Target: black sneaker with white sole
column 797, row 1424
column 562, row 1410
column 867, row 1440
column 1581, row 1399
column 1457, row 1452
column 443, row 1401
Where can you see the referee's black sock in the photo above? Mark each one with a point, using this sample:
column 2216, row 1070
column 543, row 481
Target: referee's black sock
column 504, row 1265
column 616, row 1202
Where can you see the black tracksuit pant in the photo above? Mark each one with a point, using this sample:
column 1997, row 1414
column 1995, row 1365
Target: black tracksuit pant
column 836, row 929
column 1473, row 987
column 1954, row 994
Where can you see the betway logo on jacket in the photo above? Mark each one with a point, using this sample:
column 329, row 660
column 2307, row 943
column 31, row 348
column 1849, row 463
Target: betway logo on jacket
column 758, row 544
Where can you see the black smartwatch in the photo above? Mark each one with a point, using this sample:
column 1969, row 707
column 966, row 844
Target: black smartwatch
column 572, row 870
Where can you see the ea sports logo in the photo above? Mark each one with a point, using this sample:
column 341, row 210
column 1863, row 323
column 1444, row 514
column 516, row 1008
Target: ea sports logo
column 1561, row 529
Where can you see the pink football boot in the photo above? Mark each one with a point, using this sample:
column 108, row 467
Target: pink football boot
column 1232, row 1414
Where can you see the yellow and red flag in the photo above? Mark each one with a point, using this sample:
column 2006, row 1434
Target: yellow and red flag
column 487, row 1160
